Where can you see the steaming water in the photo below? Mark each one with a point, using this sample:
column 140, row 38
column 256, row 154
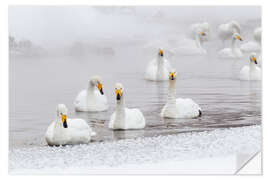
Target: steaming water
column 38, row 84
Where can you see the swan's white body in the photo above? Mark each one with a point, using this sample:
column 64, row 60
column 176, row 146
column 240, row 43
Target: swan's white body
column 196, row 29
column 234, row 51
column 250, row 72
column 179, row 108
column 225, row 31
column 198, row 33
column 253, row 46
column 91, row 99
column 124, row 118
column 158, row 69
column 77, row 132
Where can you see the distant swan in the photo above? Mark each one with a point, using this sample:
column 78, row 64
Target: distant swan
column 225, row 31
column 124, row 118
column 158, row 68
column 253, row 46
column 93, row 98
column 234, row 51
column 179, row 108
column 198, row 33
column 65, row 131
column 251, row 71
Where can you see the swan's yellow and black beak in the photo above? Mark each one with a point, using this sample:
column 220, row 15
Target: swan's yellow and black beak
column 172, row 76
column 255, row 60
column 239, row 38
column 203, row 33
column 100, row 88
column 64, row 120
column 161, row 52
column 118, row 94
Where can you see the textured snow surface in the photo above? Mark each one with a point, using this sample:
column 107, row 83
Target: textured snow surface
column 181, row 147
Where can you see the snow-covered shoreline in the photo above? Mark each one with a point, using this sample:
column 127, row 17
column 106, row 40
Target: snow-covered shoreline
column 188, row 152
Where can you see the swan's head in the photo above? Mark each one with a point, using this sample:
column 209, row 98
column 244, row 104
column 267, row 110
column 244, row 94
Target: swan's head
column 96, row 81
column 61, row 112
column 203, row 33
column 119, row 90
column 237, row 36
column 253, row 58
column 161, row 53
column 172, row 75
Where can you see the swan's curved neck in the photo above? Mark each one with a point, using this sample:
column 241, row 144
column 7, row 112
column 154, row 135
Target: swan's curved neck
column 160, row 63
column 198, row 41
column 252, row 66
column 234, row 46
column 59, row 130
column 120, row 112
column 172, row 94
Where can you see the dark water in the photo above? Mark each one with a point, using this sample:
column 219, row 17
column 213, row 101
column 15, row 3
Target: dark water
column 37, row 85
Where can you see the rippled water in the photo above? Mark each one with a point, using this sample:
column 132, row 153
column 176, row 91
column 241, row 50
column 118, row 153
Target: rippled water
column 37, row 85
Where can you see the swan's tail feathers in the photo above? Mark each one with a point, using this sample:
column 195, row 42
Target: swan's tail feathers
column 93, row 133
column 200, row 113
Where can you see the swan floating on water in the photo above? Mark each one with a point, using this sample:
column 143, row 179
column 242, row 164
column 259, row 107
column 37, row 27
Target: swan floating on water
column 234, row 51
column 124, row 118
column 179, row 108
column 251, row 71
column 225, row 31
column 198, row 33
column 92, row 99
column 64, row 131
column 253, row 46
column 158, row 69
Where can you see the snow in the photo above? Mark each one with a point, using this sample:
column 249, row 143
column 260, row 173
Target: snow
column 195, row 152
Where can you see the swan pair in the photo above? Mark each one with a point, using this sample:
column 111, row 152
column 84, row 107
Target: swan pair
column 252, row 71
column 64, row 131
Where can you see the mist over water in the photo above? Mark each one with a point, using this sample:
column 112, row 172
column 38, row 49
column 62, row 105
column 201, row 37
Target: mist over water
column 117, row 43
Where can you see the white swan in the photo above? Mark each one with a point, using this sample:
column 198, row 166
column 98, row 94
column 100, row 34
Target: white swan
column 253, row 46
column 93, row 98
column 225, row 31
column 198, row 33
column 179, row 108
column 124, row 118
column 234, row 51
column 158, row 68
column 251, row 71
column 65, row 131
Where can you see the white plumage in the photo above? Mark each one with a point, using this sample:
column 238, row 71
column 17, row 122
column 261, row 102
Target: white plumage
column 225, row 31
column 251, row 72
column 253, row 46
column 234, row 51
column 157, row 69
column 197, row 34
column 124, row 118
column 93, row 98
column 179, row 108
column 64, row 131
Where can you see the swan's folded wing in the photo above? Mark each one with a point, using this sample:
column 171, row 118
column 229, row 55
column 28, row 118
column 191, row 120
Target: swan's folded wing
column 80, row 131
column 188, row 107
column 80, row 100
column 134, row 119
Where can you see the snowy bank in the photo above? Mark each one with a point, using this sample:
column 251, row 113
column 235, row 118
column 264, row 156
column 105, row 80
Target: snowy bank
column 218, row 151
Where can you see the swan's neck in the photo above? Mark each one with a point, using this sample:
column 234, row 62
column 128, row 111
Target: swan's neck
column 120, row 112
column 160, row 63
column 172, row 94
column 234, row 46
column 90, row 94
column 252, row 66
column 59, row 131
column 198, row 41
